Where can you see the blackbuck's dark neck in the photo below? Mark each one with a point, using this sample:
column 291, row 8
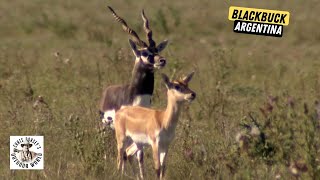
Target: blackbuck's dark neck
column 142, row 82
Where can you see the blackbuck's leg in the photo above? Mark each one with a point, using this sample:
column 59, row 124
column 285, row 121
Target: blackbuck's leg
column 156, row 159
column 163, row 158
column 124, row 160
column 140, row 161
column 131, row 162
column 131, row 151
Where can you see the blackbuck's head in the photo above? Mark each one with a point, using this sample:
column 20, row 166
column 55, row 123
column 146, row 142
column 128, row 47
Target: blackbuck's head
column 178, row 89
column 148, row 54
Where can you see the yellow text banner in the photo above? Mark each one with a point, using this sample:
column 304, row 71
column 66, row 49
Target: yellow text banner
column 259, row 15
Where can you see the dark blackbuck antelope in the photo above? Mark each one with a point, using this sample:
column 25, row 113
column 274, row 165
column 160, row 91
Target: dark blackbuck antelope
column 140, row 89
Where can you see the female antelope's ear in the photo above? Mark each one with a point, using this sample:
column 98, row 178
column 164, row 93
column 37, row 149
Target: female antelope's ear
column 134, row 48
column 166, row 80
column 187, row 78
column 162, row 45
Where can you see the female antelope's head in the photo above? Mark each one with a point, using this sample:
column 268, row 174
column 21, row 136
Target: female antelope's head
column 147, row 54
column 178, row 89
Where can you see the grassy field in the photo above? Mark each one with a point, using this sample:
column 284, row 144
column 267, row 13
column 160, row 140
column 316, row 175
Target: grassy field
column 256, row 116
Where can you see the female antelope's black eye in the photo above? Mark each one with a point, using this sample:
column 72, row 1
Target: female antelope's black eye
column 145, row 54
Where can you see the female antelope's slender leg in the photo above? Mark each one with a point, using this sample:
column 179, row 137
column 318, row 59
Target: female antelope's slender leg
column 120, row 142
column 156, row 159
column 140, row 161
column 120, row 156
column 163, row 156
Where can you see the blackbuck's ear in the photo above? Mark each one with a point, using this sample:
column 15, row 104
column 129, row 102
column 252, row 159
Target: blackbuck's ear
column 165, row 80
column 162, row 45
column 187, row 78
column 134, row 48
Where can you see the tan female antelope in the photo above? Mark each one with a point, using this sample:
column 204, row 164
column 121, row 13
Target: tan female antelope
column 154, row 127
